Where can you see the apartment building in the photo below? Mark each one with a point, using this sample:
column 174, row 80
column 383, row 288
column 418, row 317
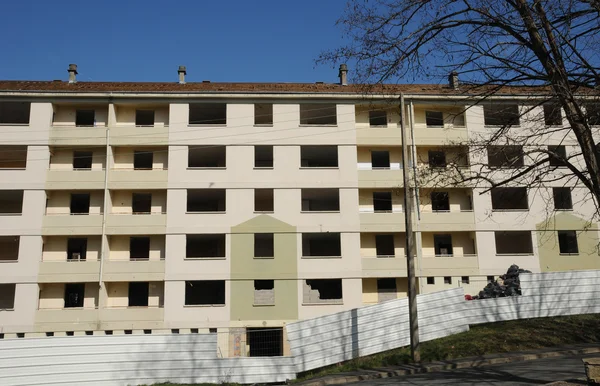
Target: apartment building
column 181, row 207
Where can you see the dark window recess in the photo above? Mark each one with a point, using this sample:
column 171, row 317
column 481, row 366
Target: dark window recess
column 377, row 118
column 143, row 160
column 465, row 280
column 85, row 118
column 13, row 157
column 80, row 203
column 382, row 202
column 207, row 156
column 386, row 285
column 562, row 198
column 321, row 244
column 320, row 200
column 552, row 115
column 193, row 330
column 509, row 156
column 264, row 245
column 442, row 245
column 329, row 289
column 76, row 249
column 206, row 200
column 141, row 203
column 9, row 248
column 437, row 159
column 138, row 294
column 15, row 113
column 144, row 117
column 205, row 246
column 318, row 114
column 208, row 114
column 263, row 156
column 447, row 280
column 440, row 202
column 265, row 342
column 560, row 151
column 509, row 199
column 319, row 156
column 500, row 114
column 430, row 280
column 490, row 279
column 139, row 248
column 82, row 160
column 263, row 200
column 567, row 242
column 74, row 294
column 7, row 296
column 380, row 159
column 11, row 202
column 434, row 118
column 513, row 242
column 207, row 292
column 263, row 114
column 592, row 111
column 261, row 285
column 384, row 245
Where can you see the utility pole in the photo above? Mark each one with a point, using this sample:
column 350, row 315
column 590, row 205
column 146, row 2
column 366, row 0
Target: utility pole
column 410, row 241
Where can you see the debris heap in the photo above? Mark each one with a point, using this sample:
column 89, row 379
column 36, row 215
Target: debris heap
column 506, row 285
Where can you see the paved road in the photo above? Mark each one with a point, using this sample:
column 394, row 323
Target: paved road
column 537, row 372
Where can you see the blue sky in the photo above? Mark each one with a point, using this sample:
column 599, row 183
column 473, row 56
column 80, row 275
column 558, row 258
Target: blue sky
column 135, row 40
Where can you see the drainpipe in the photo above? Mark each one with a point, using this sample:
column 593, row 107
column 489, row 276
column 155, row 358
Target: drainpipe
column 104, row 213
column 419, row 240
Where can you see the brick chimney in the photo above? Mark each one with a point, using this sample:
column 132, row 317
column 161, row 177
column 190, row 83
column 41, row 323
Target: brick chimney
column 343, row 74
column 182, row 71
column 453, row 80
column 72, row 73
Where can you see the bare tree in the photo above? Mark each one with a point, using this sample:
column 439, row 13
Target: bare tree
column 543, row 50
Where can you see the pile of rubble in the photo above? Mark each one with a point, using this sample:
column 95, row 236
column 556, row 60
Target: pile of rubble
column 506, row 285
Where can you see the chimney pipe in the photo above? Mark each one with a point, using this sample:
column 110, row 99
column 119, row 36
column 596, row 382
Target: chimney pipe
column 343, row 74
column 182, row 73
column 453, row 80
column 72, row 73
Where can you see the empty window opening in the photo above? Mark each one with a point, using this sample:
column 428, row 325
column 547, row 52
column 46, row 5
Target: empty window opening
column 319, row 156
column 74, row 294
column 147, row 332
column 552, row 115
column 76, row 248
column 384, row 246
column 505, row 156
column 442, row 245
column 263, row 200
column 562, row 198
column 9, row 248
column 264, row 245
column 174, row 331
column 437, row 159
column 567, row 242
column 321, row 244
column 207, row 156
column 139, row 248
column 377, row 118
column 434, row 118
column 447, row 280
column 85, row 118
column 322, row 291
column 264, row 292
column 513, row 243
column 265, row 342
column 509, row 199
column 138, row 294
column 14, row 113
column 108, row 332
column 386, row 285
column 80, row 203
column 382, row 202
column 500, row 114
column 141, row 203
column 465, row 280
column 70, row 333
column 212, row 330
column 82, row 160
column 89, row 332
column 206, row 200
column 320, row 200
column 263, row 114
column 13, row 157
column 560, row 153
column 208, row 114
column 440, row 202
column 143, row 160
column 49, row 334
column 318, row 114
column 490, row 279
column 380, row 159
column 11, row 202
column 263, row 156
column 592, row 111
column 193, row 330
column 205, row 246
column 144, row 117
column 7, row 296
column 128, row 332
column 205, row 292
column 430, row 280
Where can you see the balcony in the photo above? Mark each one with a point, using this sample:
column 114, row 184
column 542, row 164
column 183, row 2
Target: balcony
column 140, row 270
column 443, row 220
column 137, row 179
column 382, row 222
column 380, row 136
column 66, row 319
column 136, row 224
column 139, row 135
column 73, row 136
column 72, row 224
column 81, row 179
column 131, row 317
column 74, row 271
column 380, row 178
column 383, row 266
column 439, row 135
column 449, row 265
